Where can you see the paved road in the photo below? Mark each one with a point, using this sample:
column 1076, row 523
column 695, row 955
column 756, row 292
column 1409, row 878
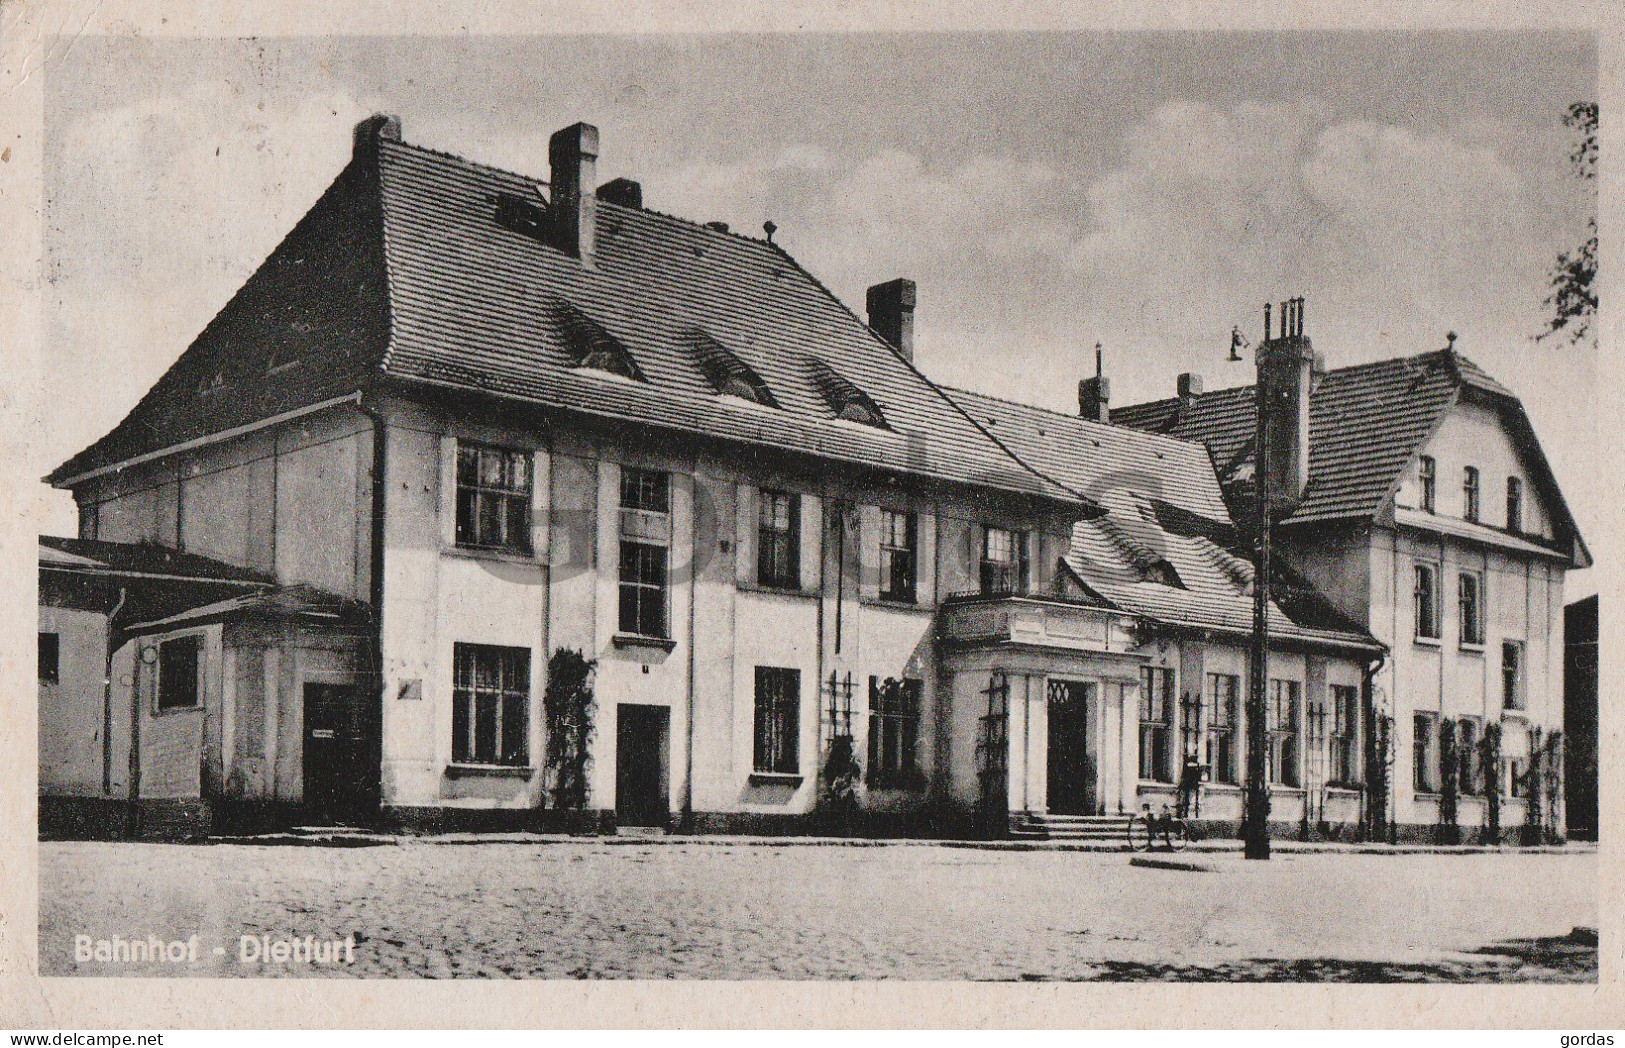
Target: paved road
column 595, row 910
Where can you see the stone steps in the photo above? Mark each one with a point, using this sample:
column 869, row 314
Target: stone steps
column 1108, row 829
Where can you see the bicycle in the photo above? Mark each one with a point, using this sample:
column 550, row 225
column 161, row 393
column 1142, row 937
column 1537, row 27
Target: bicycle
column 1145, row 827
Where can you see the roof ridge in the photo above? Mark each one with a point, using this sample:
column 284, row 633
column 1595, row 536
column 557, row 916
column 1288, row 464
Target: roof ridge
column 418, row 147
column 1126, row 432
column 477, row 165
column 1342, row 371
column 938, row 390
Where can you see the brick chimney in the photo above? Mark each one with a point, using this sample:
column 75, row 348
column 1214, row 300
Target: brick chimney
column 622, row 191
column 1189, row 387
column 573, row 155
column 1286, row 370
column 369, row 132
column 891, row 314
column 1095, row 394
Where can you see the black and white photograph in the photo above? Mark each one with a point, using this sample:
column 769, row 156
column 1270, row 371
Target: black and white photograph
column 969, row 503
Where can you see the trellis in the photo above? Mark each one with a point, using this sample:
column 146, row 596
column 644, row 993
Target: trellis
column 993, row 755
column 842, row 773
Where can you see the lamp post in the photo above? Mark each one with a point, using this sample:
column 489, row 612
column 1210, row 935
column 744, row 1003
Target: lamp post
column 1256, row 813
column 1256, row 796
column 1280, row 474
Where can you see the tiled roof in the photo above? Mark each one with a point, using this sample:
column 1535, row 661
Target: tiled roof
column 1213, row 590
column 1164, row 550
column 139, row 558
column 1365, row 424
column 467, row 298
column 290, row 602
column 1099, row 461
column 406, row 271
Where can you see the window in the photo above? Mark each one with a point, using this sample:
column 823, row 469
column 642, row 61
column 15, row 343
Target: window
column 1471, row 594
column 1426, row 474
column 844, row 398
column 1004, row 561
column 645, row 527
column 728, row 374
column 897, row 556
column 592, row 346
column 490, row 703
column 1345, row 734
column 778, row 720
column 1469, row 777
column 778, row 540
column 1427, row 602
column 645, row 489
column 1469, row 493
column 49, row 653
column 1281, row 730
column 1512, row 675
column 894, row 731
column 493, row 498
column 1223, row 725
column 1156, row 723
column 1518, row 776
column 1423, row 745
column 643, row 589
column 1514, row 504
column 178, row 672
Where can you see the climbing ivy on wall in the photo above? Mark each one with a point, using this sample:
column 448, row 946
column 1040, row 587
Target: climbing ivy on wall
column 569, row 706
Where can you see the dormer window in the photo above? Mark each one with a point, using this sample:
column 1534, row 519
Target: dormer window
column 844, row 398
column 1469, row 493
column 591, row 346
column 521, row 215
column 726, row 372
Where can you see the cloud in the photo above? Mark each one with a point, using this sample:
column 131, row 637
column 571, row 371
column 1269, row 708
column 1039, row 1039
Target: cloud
column 1206, row 212
column 1154, row 243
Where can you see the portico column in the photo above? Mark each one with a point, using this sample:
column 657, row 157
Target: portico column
column 1128, row 704
column 1016, row 742
column 1037, row 742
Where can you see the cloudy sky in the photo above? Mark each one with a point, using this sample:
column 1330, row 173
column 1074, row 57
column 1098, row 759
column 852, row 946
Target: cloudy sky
column 1046, row 190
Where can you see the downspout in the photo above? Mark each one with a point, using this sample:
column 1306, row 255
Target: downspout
column 686, row 822
column 107, row 694
column 1368, row 703
column 132, row 821
column 375, row 572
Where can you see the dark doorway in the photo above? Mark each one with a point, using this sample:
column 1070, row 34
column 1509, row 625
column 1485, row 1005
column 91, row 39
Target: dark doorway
column 1071, row 771
column 341, row 776
column 640, row 765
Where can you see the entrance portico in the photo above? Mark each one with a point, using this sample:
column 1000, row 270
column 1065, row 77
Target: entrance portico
column 1043, row 694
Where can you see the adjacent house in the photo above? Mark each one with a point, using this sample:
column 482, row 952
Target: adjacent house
column 1431, row 519
column 1580, row 718
column 1167, row 555
column 140, row 647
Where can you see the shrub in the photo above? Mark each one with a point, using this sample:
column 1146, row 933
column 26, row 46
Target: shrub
column 570, row 706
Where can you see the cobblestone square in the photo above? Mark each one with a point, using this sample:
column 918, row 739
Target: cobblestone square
column 753, row 910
